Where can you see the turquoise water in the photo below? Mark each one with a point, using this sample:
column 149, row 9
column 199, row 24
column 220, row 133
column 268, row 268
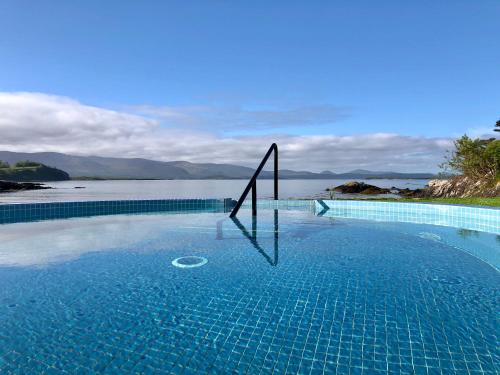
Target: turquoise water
column 289, row 293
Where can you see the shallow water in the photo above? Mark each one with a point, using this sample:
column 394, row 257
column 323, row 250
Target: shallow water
column 307, row 294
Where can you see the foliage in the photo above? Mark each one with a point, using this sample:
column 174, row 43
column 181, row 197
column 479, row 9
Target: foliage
column 26, row 164
column 475, row 158
column 29, row 171
column 4, row 164
column 497, row 126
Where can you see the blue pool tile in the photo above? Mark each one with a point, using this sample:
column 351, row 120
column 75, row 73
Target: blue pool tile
column 346, row 296
column 11, row 213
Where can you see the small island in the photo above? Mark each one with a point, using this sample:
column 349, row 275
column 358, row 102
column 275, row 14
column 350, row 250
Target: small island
column 18, row 176
column 25, row 171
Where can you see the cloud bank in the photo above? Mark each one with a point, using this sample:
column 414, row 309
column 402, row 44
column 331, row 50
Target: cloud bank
column 34, row 122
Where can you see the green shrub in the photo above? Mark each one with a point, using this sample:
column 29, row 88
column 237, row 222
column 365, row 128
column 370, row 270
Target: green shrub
column 26, row 163
column 475, row 158
column 4, row 164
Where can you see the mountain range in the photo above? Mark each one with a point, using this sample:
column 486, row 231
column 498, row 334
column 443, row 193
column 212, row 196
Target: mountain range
column 137, row 168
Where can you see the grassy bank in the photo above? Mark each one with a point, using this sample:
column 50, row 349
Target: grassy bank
column 489, row 202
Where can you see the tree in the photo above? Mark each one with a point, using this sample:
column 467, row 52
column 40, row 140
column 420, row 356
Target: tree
column 475, row 158
column 4, row 164
column 26, row 163
column 497, row 126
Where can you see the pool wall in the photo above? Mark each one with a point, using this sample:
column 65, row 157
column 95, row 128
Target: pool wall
column 473, row 218
column 13, row 213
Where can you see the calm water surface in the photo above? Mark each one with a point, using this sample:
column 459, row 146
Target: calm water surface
column 158, row 189
column 306, row 295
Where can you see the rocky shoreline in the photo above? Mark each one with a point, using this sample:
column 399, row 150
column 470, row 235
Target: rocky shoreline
column 455, row 187
column 462, row 187
column 10, row 186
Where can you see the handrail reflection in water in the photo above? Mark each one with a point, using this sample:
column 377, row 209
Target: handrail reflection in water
column 252, row 237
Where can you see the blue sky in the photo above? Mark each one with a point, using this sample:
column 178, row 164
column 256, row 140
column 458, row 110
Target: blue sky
column 426, row 69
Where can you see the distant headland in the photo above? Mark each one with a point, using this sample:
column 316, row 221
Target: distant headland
column 26, row 170
column 102, row 168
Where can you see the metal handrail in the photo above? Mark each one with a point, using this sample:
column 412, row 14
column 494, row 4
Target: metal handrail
column 252, row 184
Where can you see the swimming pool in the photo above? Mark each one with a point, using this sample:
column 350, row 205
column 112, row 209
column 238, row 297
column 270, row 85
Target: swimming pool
column 290, row 292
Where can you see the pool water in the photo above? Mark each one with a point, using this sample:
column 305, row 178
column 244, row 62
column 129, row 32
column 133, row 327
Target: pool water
column 288, row 293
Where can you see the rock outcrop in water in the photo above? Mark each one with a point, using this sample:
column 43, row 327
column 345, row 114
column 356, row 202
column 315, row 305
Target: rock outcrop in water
column 9, row 186
column 355, row 187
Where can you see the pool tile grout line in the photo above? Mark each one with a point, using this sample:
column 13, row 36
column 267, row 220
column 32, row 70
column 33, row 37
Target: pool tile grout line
column 474, row 218
column 24, row 212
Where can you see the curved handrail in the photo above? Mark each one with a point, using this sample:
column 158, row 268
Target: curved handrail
column 252, row 184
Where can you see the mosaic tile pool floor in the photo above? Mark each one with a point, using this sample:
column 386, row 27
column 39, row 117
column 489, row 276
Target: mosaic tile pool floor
column 319, row 296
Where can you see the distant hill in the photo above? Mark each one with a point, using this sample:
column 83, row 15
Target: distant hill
column 137, row 168
column 32, row 171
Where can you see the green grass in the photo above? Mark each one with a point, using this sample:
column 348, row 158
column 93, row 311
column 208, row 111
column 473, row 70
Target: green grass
column 490, row 202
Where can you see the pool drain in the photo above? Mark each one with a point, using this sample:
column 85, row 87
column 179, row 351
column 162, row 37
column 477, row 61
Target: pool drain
column 189, row 262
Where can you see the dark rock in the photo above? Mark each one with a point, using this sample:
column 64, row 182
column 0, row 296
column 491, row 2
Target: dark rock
column 373, row 190
column 355, row 187
column 409, row 193
column 9, row 186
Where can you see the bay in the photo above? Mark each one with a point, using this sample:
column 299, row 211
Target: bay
column 65, row 191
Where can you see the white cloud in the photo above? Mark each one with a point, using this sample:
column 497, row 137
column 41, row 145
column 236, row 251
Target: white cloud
column 32, row 122
column 28, row 116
